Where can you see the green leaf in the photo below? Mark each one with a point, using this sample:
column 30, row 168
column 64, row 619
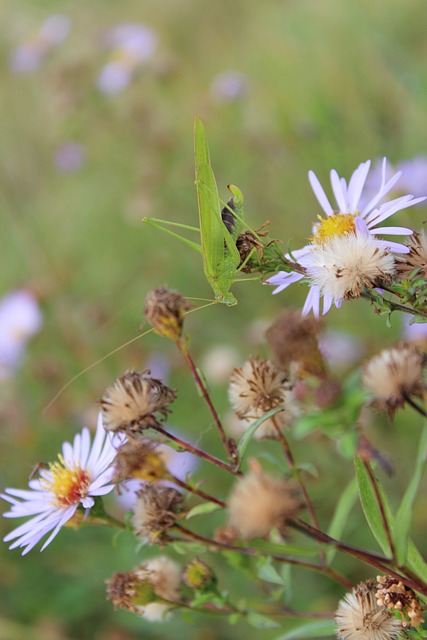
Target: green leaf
column 258, row 621
column 202, row 509
column 404, row 512
column 268, row 572
column 370, row 507
column 340, row 517
column 184, row 547
column 245, row 439
column 317, row 629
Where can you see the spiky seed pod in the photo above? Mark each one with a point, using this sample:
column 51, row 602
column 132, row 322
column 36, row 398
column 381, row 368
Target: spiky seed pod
column 135, row 402
column 164, row 310
column 416, row 258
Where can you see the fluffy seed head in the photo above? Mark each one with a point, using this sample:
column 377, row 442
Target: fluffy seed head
column 344, row 265
column 416, row 258
column 260, row 502
column 135, row 402
column 255, row 388
column 155, row 511
column 164, row 310
column 360, row 617
column 393, row 375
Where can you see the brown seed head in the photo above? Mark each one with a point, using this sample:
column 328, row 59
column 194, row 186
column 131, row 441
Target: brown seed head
column 155, row 511
column 164, row 310
column 394, row 595
column 135, row 402
column 260, row 502
column 394, row 375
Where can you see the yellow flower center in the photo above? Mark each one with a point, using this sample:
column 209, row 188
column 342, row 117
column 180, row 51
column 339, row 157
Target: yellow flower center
column 68, row 484
column 339, row 224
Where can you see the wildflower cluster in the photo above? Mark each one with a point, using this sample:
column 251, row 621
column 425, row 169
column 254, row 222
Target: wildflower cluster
column 260, row 513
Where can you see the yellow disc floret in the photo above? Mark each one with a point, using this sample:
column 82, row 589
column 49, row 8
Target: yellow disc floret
column 68, row 484
column 339, row 224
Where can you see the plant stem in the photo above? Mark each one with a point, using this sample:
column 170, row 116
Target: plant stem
column 229, row 445
column 247, row 551
column 414, row 405
column 372, row 559
column 197, row 492
column 197, row 452
column 291, row 462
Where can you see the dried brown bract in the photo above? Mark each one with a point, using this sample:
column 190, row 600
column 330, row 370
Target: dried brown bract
column 135, row 402
column 394, row 595
column 416, row 258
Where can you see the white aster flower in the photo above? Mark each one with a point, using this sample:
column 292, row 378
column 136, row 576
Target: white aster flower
column 81, row 473
column 347, row 219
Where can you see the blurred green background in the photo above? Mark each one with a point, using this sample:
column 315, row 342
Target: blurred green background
column 323, row 84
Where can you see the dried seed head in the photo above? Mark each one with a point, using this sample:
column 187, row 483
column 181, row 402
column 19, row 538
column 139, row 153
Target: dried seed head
column 394, row 375
column 155, row 511
column 394, row 595
column 145, row 590
column 135, row 402
column 359, row 617
column 164, row 310
column 259, row 503
column 294, row 341
column 257, row 387
column 139, row 459
column 416, row 258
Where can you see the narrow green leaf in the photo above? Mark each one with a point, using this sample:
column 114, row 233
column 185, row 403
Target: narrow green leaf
column 316, row 629
column 404, row 512
column 370, row 507
column 259, row 621
column 268, row 572
column 340, row 517
column 245, row 439
column 202, row 509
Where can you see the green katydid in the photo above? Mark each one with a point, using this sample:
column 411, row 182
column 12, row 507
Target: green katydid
column 218, row 229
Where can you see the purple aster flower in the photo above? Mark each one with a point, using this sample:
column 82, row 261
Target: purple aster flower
column 69, row 157
column 346, row 221
column 229, row 86
column 81, row 473
column 20, row 318
column 28, row 56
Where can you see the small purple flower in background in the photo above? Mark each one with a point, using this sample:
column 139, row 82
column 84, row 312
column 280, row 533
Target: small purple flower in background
column 415, row 332
column 340, row 349
column 133, row 45
column 351, row 231
column 69, row 157
column 20, row 318
column 414, row 175
column 81, row 473
column 28, row 56
column 229, row 86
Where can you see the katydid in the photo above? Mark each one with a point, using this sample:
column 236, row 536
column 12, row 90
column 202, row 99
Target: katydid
column 218, row 228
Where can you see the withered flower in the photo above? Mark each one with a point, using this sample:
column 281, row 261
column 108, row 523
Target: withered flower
column 164, row 310
column 135, row 402
column 139, row 459
column 416, row 258
column 394, row 595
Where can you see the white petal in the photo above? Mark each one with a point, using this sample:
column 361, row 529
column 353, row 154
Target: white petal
column 320, row 194
column 357, row 182
column 340, row 191
column 312, row 301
